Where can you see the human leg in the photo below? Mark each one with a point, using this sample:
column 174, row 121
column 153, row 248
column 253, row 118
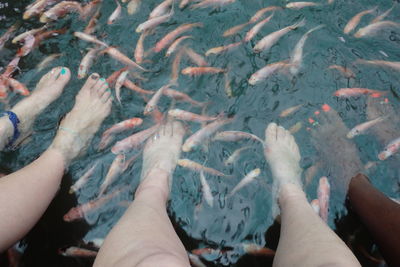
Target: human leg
column 144, row 236
column 379, row 214
column 26, row 194
column 305, row 239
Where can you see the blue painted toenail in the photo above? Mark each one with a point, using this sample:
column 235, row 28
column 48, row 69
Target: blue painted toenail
column 102, row 79
column 63, row 71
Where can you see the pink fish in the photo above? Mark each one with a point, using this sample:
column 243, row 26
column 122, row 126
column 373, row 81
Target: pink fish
column 253, row 31
column 170, row 37
column 392, row 148
column 323, row 197
column 194, row 166
column 60, row 10
column 107, row 137
column 134, row 140
column 189, row 116
column 114, row 16
column 77, row 252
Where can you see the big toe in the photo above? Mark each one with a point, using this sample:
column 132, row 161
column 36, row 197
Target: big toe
column 58, row 76
column 271, row 132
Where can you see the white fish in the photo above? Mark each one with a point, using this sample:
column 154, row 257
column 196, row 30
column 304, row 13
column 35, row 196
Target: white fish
column 118, row 84
column 208, row 197
column 133, row 6
column 84, row 179
column 247, row 179
column 384, row 15
column 232, row 158
column 161, row 9
column 152, row 104
column 374, row 28
column 114, row 16
column 152, row 23
column 359, row 129
column 354, row 21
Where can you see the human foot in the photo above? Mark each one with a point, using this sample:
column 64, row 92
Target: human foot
column 283, row 157
column 47, row 90
column 337, row 153
column 92, row 105
column 161, row 154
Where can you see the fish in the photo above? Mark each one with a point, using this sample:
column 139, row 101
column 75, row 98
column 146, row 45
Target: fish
column 130, row 85
column 197, row 167
column 194, row 259
column 257, row 250
column 118, row 166
column 77, row 252
column 205, row 188
column 245, row 180
column 183, row 3
column 256, row 28
column 11, row 67
column 383, row 15
column 361, row 128
column 235, row 136
column 133, row 6
column 235, row 29
column 315, row 205
column 297, row 54
column 175, row 67
column 91, row 26
column 139, row 50
column 161, row 9
column 354, row 21
column 349, row 92
column 46, row 61
column 60, row 10
column 194, row 71
column 290, row 111
column 134, row 140
column 204, row 133
column 267, row 71
column 195, row 58
column 89, row 38
column 299, row 5
column 116, row 54
column 220, row 49
column 152, row 104
column 106, row 137
column 390, row 149
column 211, row 3
column 83, row 179
column 296, row 127
column 323, row 198
column 118, row 84
column 79, row 212
column 154, row 22
column 10, row 32
column 21, row 37
column 184, row 115
column 260, row 13
column 18, row 87
column 29, row 43
column 114, row 76
column 382, row 63
column 374, row 28
column 170, row 37
column 232, row 158
column 37, row 8
column 181, row 97
column 227, row 85
column 91, row 8
column 116, row 14
column 175, row 44
column 268, row 41
column 87, row 62
column 348, row 73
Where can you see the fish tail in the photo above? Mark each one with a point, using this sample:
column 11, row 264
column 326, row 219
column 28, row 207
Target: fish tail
column 316, row 28
column 298, row 24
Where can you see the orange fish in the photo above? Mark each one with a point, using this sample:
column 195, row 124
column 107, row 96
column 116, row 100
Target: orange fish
column 170, row 37
column 194, row 166
column 77, row 252
column 134, row 140
column 106, row 138
column 349, row 92
column 193, row 71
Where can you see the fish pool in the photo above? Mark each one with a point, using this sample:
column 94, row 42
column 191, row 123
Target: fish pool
column 246, row 218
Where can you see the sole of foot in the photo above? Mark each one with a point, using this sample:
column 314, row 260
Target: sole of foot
column 48, row 89
column 283, row 156
column 92, row 105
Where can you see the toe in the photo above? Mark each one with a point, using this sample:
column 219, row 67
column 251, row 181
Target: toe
column 270, row 132
column 64, row 74
column 90, row 82
column 103, row 88
column 106, row 96
column 281, row 132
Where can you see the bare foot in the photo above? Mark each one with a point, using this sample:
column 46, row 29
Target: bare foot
column 160, row 155
column 92, row 106
column 47, row 90
column 337, row 154
column 283, row 157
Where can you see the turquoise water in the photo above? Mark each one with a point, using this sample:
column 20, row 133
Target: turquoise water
column 247, row 217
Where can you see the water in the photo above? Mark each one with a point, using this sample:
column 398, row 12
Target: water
column 247, row 217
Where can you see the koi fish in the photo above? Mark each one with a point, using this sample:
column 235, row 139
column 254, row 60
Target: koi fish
column 235, row 29
column 323, row 197
column 202, row 70
column 18, row 87
column 234, row 136
column 195, row 58
column 267, row 71
column 37, row 8
column 232, row 158
column 205, row 188
column 60, row 10
column 348, row 73
column 134, row 140
column 91, row 26
column 359, row 129
column 118, row 84
column 89, row 38
column 247, row 179
column 130, row 85
column 91, row 8
column 260, row 13
column 87, row 62
column 170, row 37
column 268, row 41
column 139, row 50
column 29, row 43
column 179, row 96
column 194, row 259
column 257, row 250
column 374, row 28
column 116, row 54
column 197, row 167
column 382, row 63
column 295, row 128
column 7, row 35
column 78, row 252
column 204, row 133
column 152, row 104
column 354, row 21
column 106, row 138
column 299, row 5
column 383, row 15
column 83, row 179
column 189, row 116
column 390, row 149
column 115, row 15
column 21, row 37
column 220, row 49
column 133, row 6
column 211, row 3
column 175, row 44
column 256, row 28
column 175, row 67
column 349, row 92
column 290, row 111
column 154, row 22
column 161, row 9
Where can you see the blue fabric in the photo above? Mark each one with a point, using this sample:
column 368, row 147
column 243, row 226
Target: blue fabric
column 14, row 120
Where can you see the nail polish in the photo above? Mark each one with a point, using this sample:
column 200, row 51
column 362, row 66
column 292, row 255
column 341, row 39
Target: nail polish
column 63, row 71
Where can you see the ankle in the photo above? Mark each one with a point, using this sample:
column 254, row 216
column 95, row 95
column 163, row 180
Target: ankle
column 290, row 192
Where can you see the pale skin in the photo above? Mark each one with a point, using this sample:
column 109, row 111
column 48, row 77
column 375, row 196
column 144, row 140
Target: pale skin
column 38, row 182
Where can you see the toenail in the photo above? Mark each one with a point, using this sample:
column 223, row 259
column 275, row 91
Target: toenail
column 102, row 79
column 95, row 76
column 63, row 71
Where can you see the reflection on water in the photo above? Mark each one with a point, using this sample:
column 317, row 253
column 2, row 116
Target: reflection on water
column 245, row 217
